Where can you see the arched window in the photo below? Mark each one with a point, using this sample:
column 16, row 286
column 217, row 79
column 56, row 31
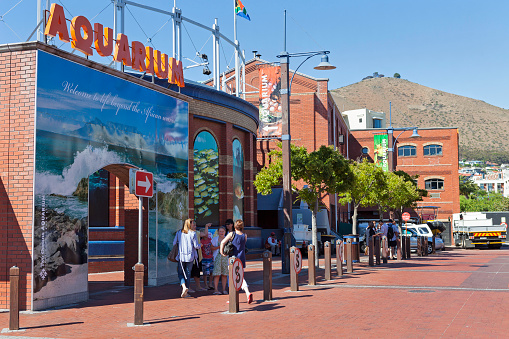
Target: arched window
column 434, row 184
column 238, row 181
column 206, row 179
column 406, row 151
column 433, row 150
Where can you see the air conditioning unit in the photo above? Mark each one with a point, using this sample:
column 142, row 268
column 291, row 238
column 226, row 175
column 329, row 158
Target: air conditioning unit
column 434, row 195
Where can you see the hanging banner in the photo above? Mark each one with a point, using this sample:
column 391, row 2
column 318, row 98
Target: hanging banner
column 270, row 101
column 381, row 156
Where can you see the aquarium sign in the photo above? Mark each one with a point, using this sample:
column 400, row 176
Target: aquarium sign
column 141, row 183
column 137, row 56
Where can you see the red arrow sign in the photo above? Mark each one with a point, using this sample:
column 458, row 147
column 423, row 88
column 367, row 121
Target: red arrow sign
column 144, row 184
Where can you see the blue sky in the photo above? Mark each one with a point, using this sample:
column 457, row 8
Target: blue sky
column 455, row 46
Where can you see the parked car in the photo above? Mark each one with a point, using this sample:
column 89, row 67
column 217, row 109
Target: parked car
column 413, row 231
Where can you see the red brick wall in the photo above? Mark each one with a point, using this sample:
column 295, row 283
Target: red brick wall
column 443, row 167
column 17, row 110
column 224, row 134
column 312, row 115
column 131, row 243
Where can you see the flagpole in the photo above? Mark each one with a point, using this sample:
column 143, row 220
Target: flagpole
column 234, row 21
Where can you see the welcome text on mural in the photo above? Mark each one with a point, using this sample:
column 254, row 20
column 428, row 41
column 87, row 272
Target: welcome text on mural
column 115, row 101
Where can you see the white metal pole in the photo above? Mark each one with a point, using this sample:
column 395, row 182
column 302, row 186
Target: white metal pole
column 237, row 72
column 115, row 24
column 214, row 71
column 39, row 18
column 216, row 55
column 140, row 229
column 174, row 36
column 179, row 56
column 122, row 22
column 244, row 75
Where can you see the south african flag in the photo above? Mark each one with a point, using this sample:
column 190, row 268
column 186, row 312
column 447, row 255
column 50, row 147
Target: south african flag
column 240, row 10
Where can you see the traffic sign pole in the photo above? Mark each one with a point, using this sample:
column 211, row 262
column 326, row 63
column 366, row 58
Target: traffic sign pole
column 294, row 275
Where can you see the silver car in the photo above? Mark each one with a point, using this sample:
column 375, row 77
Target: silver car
column 412, row 233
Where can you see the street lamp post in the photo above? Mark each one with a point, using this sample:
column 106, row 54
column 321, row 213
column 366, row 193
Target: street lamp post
column 286, row 85
column 392, row 142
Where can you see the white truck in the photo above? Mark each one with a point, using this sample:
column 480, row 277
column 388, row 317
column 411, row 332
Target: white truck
column 475, row 229
column 304, row 236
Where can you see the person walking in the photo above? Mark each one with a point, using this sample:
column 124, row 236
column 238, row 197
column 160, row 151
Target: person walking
column 220, row 262
column 392, row 236
column 239, row 251
column 187, row 254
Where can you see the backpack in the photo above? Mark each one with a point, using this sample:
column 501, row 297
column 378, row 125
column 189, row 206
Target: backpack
column 390, row 232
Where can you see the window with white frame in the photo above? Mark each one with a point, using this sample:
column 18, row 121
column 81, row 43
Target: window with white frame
column 434, row 184
column 433, row 150
column 406, row 151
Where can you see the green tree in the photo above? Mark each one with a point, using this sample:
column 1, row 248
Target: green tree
column 325, row 171
column 397, row 75
column 368, row 181
column 484, row 202
column 399, row 193
column 468, row 187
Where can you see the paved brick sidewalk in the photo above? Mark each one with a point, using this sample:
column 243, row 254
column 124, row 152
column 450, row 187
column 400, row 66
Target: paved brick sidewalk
column 460, row 293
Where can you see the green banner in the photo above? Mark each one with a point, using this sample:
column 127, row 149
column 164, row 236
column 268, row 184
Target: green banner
column 381, row 156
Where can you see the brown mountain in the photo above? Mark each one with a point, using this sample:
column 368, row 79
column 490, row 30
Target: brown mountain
column 482, row 126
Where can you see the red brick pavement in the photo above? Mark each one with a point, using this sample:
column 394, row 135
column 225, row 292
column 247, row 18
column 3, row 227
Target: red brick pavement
column 460, row 293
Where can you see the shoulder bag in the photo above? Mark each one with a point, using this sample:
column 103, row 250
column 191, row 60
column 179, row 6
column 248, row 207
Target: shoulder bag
column 228, row 248
column 172, row 256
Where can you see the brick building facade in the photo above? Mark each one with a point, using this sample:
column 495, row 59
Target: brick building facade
column 315, row 120
column 438, row 171
column 227, row 118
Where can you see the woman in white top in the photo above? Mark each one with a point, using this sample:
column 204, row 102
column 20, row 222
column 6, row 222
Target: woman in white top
column 220, row 262
column 188, row 244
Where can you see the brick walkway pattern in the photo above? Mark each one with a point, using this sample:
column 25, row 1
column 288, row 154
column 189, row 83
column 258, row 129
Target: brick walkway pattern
column 457, row 293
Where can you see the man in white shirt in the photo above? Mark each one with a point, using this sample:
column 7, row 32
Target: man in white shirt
column 273, row 243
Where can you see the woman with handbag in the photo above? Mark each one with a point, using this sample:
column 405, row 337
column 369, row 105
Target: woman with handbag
column 239, row 251
column 187, row 254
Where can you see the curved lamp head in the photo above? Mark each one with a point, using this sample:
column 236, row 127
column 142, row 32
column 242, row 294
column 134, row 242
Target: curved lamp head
column 324, row 64
column 415, row 134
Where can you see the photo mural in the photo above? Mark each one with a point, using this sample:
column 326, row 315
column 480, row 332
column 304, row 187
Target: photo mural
column 206, row 179
column 86, row 120
column 238, row 181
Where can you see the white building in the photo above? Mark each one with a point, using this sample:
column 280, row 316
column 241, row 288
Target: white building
column 364, row 118
column 493, row 181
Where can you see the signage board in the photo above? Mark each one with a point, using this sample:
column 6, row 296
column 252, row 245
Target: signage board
column 238, row 274
column 141, row 183
column 405, row 216
column 297, row 261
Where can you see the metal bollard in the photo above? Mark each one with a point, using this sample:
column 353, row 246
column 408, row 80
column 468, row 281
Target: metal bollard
column 408, row 248
column 349, row 255
column 233, row 304
column 371, row 251
column 294, row 277
column 14, row 299
column 398, row 246
column 267, row 275
column 419, row 246
column 327, row 253
column 433, row 245
column 311, row 265
column 384, row 249
column 403, row 247
column 377, row 250
column 425, row 246
column 139, row 271
column 339, row 257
